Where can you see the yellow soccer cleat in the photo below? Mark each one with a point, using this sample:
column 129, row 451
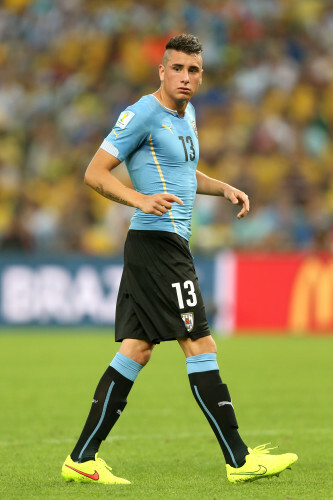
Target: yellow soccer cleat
column 259, row 463
column 93, row 471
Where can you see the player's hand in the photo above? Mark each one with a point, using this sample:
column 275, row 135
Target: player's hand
column 237, row 197
column 158, row 204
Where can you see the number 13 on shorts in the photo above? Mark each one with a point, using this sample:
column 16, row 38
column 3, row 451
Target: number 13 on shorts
column 189, row 293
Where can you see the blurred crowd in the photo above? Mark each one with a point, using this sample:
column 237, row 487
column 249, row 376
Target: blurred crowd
column 264, row 116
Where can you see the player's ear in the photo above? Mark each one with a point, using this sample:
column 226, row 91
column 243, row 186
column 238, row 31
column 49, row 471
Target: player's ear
column 161, row 71
column 200, row 81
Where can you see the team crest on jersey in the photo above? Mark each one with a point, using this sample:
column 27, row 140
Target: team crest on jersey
column 188, row 319
column 124, row 118
column 194, row 127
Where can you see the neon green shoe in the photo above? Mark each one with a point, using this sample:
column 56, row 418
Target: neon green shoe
column 259, row 463
column 93, row 471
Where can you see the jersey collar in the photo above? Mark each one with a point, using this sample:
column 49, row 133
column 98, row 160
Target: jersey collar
column 174, row 112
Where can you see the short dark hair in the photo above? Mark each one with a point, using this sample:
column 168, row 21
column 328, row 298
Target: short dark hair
column 187, row 43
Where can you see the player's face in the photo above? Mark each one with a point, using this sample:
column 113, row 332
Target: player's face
column 181, row 75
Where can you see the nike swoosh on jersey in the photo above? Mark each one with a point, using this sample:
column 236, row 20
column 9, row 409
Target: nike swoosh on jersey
column 260, row 472
column 93, row 476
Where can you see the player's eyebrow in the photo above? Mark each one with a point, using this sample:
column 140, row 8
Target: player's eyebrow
column 192, row 67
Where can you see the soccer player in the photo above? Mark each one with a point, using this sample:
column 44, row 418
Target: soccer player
column 159, row 297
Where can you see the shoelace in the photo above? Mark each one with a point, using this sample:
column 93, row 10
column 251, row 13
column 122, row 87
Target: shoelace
column 261, row 449
column 102, row 462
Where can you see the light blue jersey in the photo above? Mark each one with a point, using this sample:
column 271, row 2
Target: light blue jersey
column 161, row 152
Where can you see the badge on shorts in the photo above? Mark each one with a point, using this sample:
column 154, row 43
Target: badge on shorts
column 124, row 118
column 188, row 319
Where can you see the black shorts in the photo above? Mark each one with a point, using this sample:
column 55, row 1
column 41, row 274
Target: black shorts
column 159, row 296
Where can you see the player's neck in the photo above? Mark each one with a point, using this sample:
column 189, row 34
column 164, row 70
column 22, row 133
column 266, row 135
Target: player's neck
column 170, row 104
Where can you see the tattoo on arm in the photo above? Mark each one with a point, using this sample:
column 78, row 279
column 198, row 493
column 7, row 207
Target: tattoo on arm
column 110, row 196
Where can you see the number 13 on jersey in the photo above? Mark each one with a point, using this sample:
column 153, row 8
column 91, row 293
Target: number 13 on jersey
column 189, row 291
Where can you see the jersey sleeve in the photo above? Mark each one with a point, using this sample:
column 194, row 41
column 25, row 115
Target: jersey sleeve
column 128, row 133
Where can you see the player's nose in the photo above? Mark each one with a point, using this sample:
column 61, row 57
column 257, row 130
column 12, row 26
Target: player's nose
column 186, row 77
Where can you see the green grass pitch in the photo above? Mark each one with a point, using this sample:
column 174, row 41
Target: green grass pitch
column 281, row 389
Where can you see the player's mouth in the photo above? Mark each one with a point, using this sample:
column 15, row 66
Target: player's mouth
column 184, row 90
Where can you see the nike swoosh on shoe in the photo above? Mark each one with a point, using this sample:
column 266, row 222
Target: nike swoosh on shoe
column 94, row 476
column 260, row 472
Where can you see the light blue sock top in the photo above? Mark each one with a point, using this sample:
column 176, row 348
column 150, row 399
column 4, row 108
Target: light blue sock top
column 126, row 366
column 202, row 363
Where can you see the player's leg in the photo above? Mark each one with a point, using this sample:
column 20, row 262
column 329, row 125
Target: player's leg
column 243, row 464
column 110, row 396
column 108, row 403
column 213, row 397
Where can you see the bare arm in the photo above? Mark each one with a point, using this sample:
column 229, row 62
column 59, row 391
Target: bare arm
column 213, row 187
column 99, row 177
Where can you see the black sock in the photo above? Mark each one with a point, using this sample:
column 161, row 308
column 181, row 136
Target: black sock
column 108, row 403
column 213, row 398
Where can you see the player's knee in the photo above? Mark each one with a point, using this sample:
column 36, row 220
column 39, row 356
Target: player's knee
column 144, row 356
column 205, row 344
column 138, row 350
column 199, row 346
column 212, row 344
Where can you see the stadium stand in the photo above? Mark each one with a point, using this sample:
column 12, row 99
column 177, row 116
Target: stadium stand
column 265, row 117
